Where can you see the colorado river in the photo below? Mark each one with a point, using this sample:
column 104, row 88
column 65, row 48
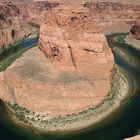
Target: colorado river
column 26, row 43
column 124, row 122
column 7, row 56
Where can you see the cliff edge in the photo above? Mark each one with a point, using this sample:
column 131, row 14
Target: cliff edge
column 71, row 73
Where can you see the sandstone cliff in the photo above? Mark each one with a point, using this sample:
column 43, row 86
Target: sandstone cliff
column 62, row 26
column 134, row 36
column 135, row 29
column 73, row 75
column 35, row 12
column 12, row 26
column 114, row 16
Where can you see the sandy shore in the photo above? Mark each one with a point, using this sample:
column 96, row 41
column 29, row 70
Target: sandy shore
column 134, row 138
column 119, row 92
column 133, row 42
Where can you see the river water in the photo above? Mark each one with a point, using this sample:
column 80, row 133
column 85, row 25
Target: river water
column 26, row 43
column 124, row 122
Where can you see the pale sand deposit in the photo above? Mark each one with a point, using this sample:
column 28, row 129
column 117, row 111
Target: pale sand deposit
column 134, row 138
column 133, row 42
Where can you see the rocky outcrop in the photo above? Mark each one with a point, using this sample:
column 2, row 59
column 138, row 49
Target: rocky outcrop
column 12, row 26
column 35, row 12
column 114, row 16
column 111, row 7
column 73, row 75
column 135, row 29
column 133, row 38
column 64, row 30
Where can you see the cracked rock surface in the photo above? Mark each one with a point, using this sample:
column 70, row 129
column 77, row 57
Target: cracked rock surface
column 71, row 73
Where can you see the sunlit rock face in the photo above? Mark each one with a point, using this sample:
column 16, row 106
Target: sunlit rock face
column 20, row 18
column 115, row 16
column 12, row 27
column 35, row 12
column 135, row 29
column 70, row 28
column 72, row 70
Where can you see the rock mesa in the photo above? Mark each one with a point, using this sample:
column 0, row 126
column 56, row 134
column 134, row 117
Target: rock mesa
column 12, row 26
column 71, row 73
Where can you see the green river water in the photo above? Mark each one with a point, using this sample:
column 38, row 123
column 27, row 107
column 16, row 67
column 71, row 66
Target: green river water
column 122, row 123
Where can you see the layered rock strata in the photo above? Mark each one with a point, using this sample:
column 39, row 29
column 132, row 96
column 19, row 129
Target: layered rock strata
column 115, row 16
column 12, row 27
column 133, row 38
column 135, row 29
column 73, row 75
column 35, row 12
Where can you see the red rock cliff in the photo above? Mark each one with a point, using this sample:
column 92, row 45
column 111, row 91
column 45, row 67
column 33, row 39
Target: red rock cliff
column 73, row 75
column 135, row 29
column 115, row 16
column 12, row 26
column 35, row 12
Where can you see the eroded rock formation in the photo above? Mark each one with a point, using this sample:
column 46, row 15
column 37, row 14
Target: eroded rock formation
column 12, row 27
column 73, row 75
column 135, row 29
column 35, row 12
column 115, row 16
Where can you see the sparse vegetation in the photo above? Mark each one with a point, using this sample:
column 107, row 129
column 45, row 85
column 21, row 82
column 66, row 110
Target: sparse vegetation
column 8, row 61
column 23, row 114
column 121, row 38
column 20, row 116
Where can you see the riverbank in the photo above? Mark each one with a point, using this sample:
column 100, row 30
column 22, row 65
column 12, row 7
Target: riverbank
column 11, row 54
column 19, row 42
column 120, row 90
column 8, row 61
column 126, row 38
column 83, row 119
column 4, row 50
column 133, row 42
column 116, row 123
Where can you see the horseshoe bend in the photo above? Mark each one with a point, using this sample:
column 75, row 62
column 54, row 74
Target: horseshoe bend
column 65, row 82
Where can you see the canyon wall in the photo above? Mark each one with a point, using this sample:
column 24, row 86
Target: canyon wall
column 114, row 16
column 20, row 18
column 12, row 27
column 71, row 74
column 133, row 38
column 35, row 12
column 135, row 29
